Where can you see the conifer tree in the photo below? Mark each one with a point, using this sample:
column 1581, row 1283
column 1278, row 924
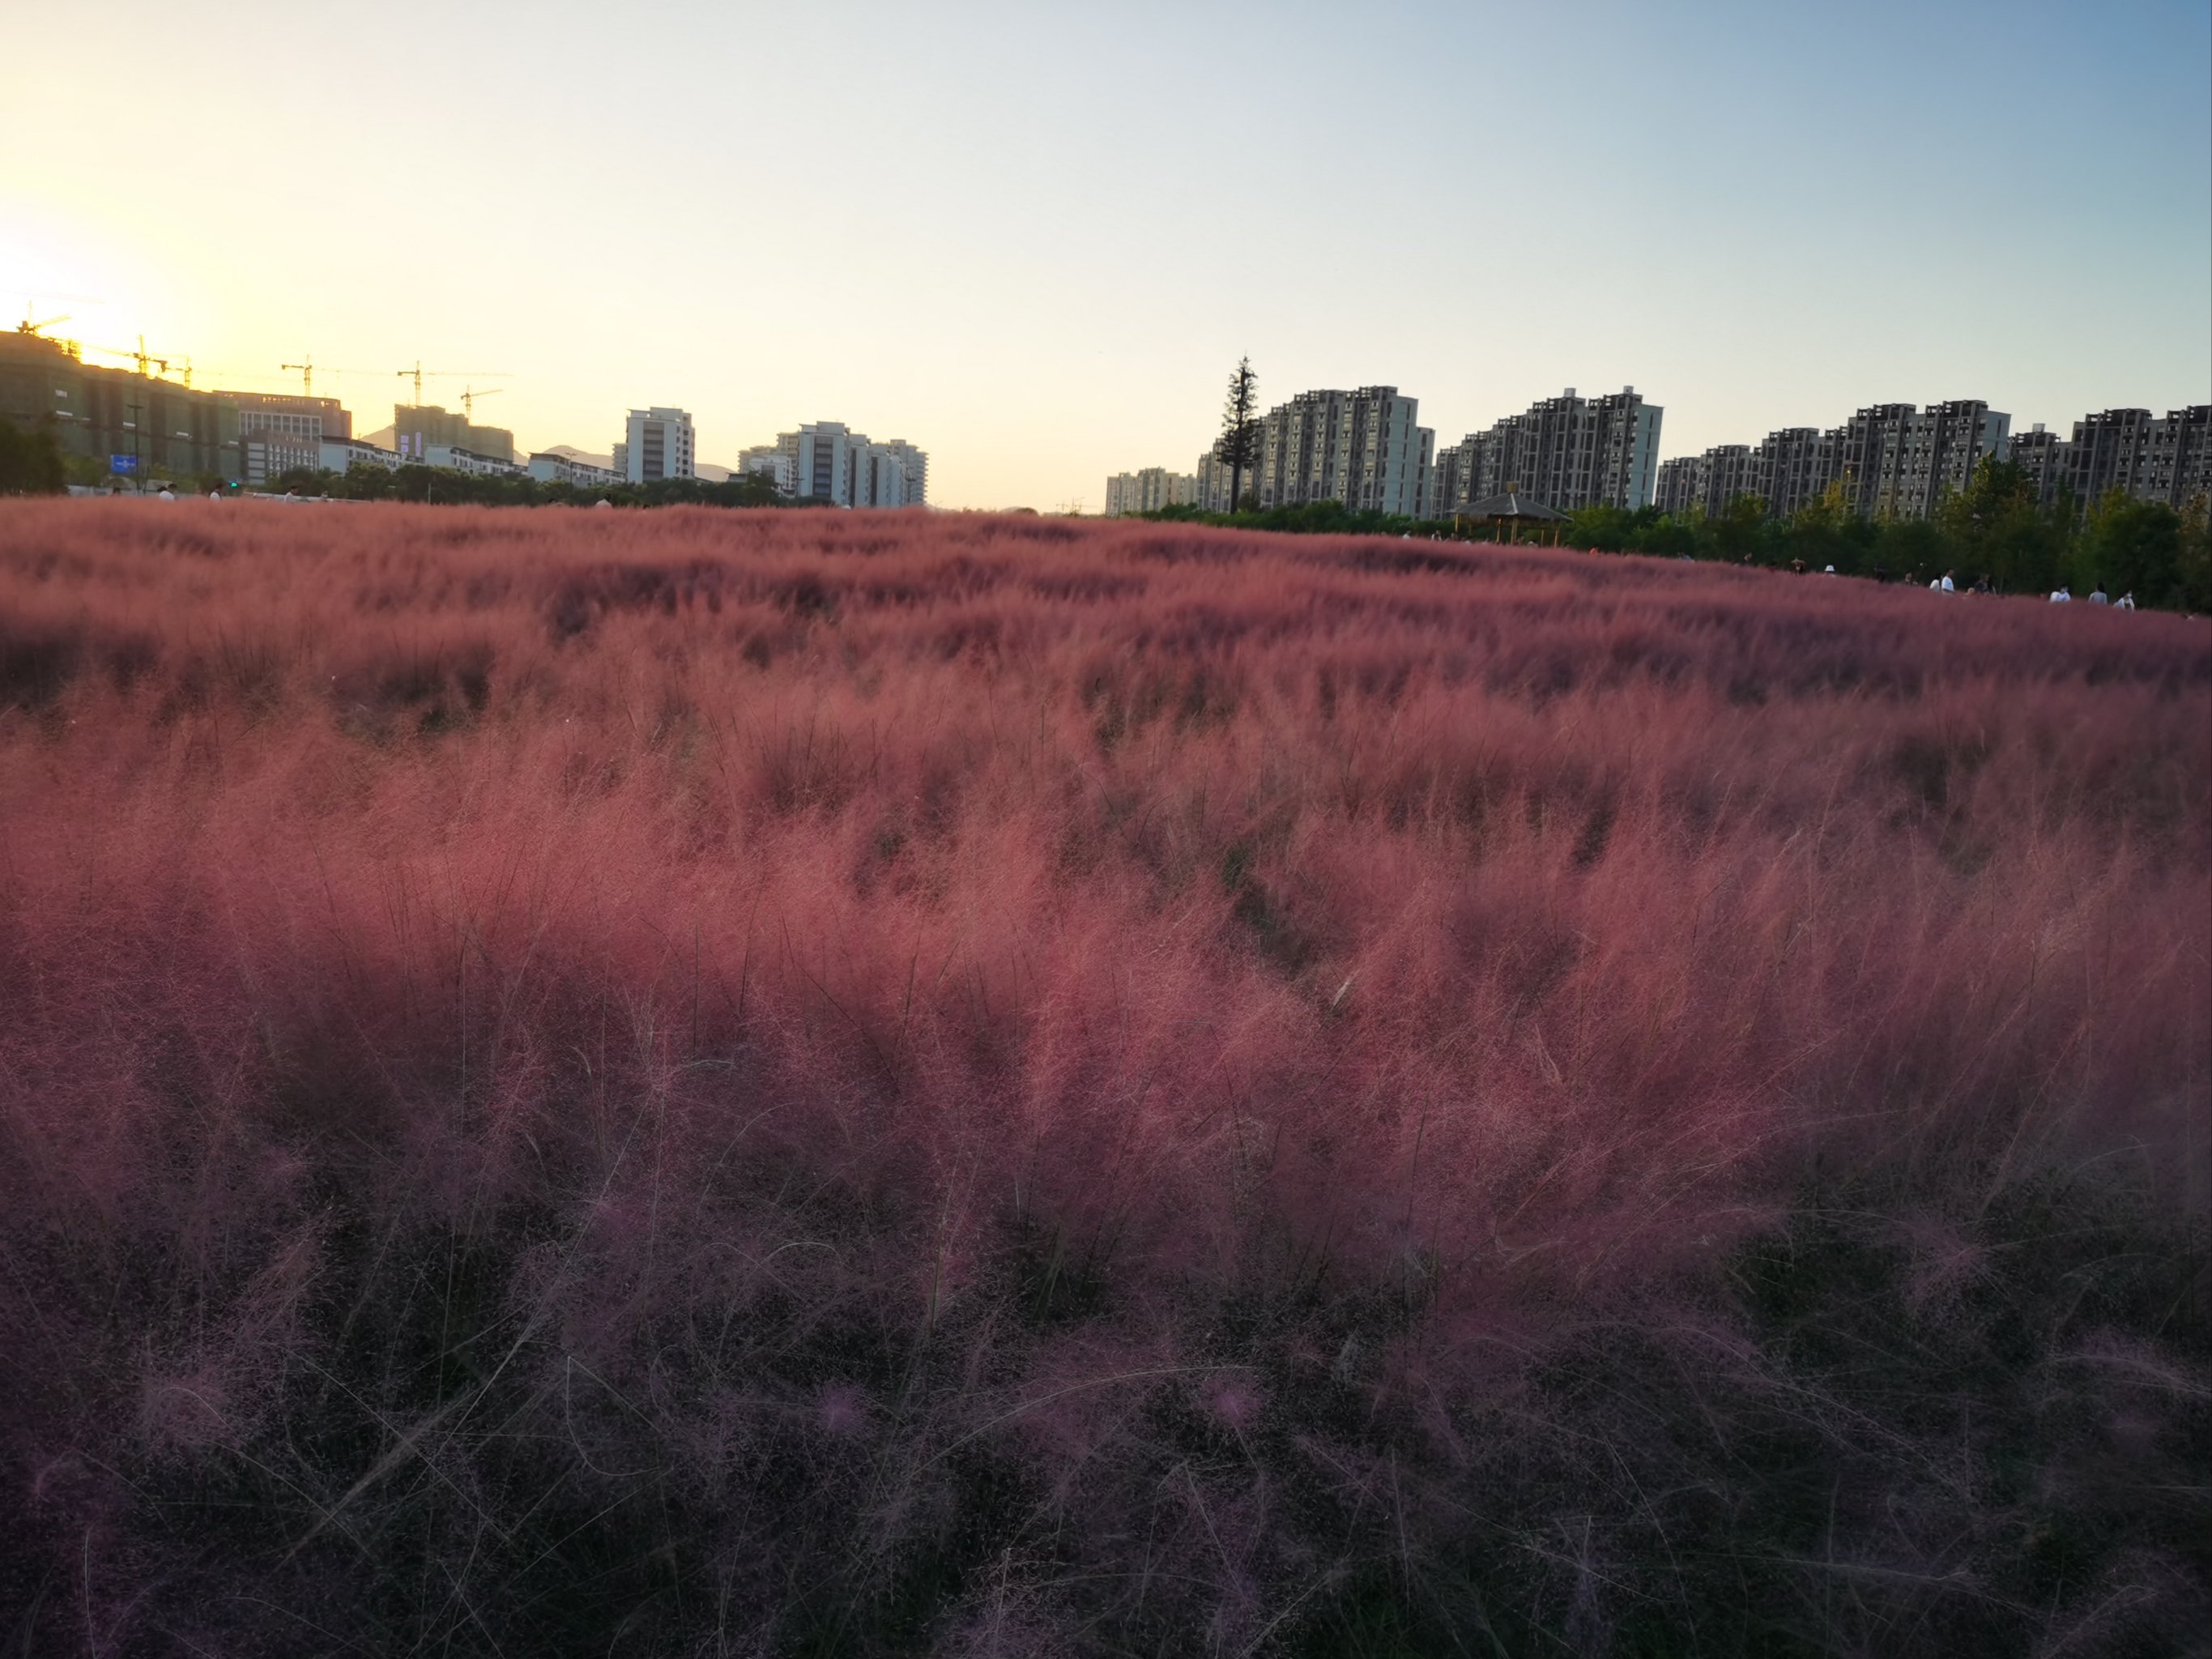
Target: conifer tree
column 1240, row 431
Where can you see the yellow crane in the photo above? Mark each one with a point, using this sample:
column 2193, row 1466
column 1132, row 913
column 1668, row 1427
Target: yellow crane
column 418, row 374
column 307, row 371
column 139, row 355
column 468, row 401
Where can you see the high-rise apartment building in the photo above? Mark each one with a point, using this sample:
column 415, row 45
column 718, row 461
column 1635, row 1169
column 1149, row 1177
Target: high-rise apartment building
column 914, row 466
column 2040, row 455
column 1149, row 490
column 1893, row 461
column 1863, row 449
column 1567, row 452
column 1363, row 449
column 1704, row 484
column 656, row 443
column 131, row 425
column 2111, row 451
column 1792, row 468
column 2178, row 470
column 1214, row 482
column 416, row 428
column 1897, row 462
column 2148, row 459
column 828, row 461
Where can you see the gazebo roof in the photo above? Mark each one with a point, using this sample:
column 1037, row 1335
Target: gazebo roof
column 1511, row 505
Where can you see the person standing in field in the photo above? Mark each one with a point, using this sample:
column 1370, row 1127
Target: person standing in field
column 2097, row 596
column 2060, row 596
column 2126, row 601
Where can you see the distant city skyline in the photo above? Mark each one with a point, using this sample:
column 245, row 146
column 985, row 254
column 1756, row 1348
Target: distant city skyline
column 1762, row 215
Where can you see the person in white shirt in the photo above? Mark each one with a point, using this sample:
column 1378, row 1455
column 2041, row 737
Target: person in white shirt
column 2097, row 597
column 2126, row 601
column 1950, row 587
column 2062, row 597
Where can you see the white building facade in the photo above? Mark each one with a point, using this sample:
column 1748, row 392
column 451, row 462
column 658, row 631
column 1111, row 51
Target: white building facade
column 344, row 454
column 263, row 456
column 769, row 461
column 454, row 459
column 550, row 467
column 656, row 443
column 828, row 461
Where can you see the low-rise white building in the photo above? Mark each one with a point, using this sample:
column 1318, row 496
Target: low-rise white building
column 548, row 466
column 456, row 459
column 264, row 456
column 344, row 454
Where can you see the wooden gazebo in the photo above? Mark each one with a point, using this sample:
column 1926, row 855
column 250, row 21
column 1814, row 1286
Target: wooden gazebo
column 1512, row 517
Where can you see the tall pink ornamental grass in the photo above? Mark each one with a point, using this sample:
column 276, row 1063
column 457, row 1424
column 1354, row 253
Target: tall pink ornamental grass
column 1051, row 943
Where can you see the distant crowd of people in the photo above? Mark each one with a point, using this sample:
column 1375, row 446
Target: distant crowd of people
column 1949, row 583
column 2125, row 602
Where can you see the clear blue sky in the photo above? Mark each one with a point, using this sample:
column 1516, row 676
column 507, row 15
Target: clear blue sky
column 1034, row 238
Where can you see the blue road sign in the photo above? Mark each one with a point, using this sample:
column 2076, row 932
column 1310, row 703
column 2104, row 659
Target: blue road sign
column 122, row 463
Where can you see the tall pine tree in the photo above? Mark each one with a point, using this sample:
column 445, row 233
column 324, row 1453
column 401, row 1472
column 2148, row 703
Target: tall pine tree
column 1240, row 431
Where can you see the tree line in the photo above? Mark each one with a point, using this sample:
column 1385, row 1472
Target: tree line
column 1995, row 531
column 30, row 462
column 442, row 485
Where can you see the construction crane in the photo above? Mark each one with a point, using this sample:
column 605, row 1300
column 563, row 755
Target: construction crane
column 33, row 324
column 307, row 371
column 140, row 355
column 468, row 401
column 418, row 374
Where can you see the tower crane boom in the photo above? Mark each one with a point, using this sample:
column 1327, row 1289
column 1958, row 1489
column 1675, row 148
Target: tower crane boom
column 418, row 374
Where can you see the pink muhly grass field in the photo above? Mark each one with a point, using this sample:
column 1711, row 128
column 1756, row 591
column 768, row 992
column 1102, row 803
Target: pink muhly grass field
column 794, row 1082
